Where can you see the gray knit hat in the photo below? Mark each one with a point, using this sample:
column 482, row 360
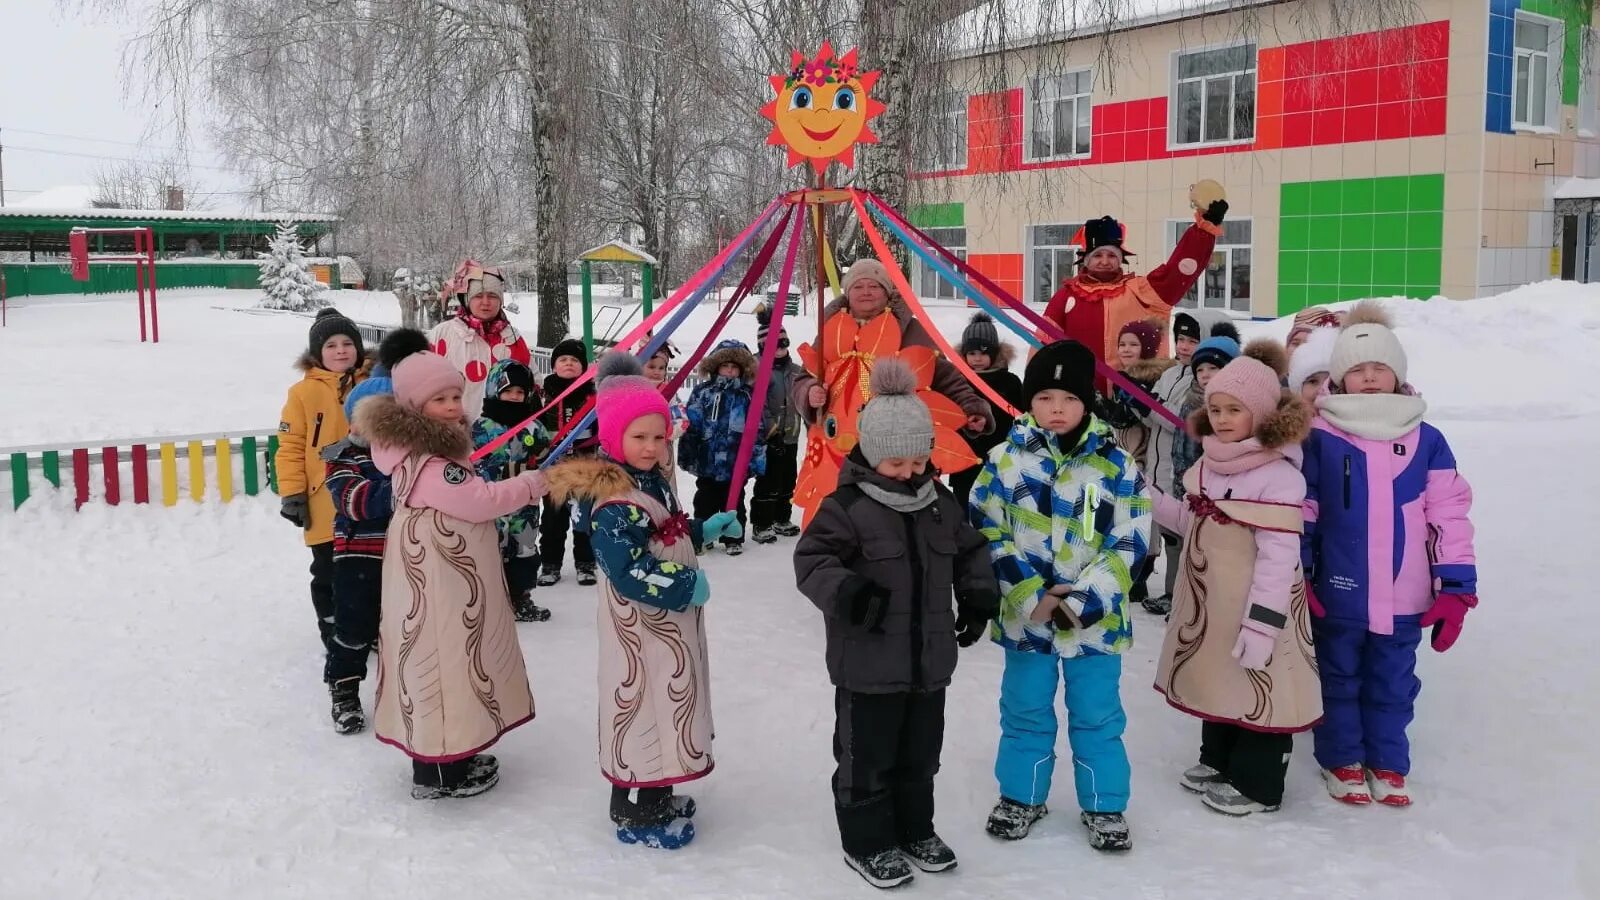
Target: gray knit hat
column 981, row 336
column 894, row 422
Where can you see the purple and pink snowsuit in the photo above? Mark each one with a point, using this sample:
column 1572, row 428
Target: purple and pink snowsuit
column 1387, row 529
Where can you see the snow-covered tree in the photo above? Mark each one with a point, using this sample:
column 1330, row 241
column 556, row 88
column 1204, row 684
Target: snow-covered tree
column 285, row 277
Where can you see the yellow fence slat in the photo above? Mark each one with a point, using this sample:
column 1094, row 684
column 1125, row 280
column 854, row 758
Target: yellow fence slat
column 225, row 469
column 169, row 475
column 197, row 471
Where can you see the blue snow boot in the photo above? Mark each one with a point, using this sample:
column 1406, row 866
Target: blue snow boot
column 672, row 835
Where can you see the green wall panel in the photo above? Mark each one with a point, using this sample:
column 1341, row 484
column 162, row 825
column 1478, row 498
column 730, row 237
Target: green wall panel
column 939, row 215
column 1360, row 237
column 1574, row 14
column 23, row 279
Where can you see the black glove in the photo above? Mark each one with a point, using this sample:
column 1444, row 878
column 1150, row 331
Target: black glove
column 970, row 627
column 297, row 510
column 1215, row 212
column 866, row 601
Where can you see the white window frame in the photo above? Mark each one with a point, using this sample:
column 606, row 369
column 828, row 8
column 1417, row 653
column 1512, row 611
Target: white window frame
column 1030, row 110
column 1174, row 110
column 1589, row 83
column 1031, row 268
column 942, row 289
column 1551, row 56
column 947, row 131
column 1195, row 297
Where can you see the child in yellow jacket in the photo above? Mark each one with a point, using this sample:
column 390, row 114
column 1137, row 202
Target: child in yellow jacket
column 313, row 418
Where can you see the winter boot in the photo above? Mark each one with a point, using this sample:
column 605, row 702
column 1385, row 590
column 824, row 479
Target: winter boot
column 733, row 548
column 549, row 575
column 1012, row 820
column 1140, row 592
column 528, row 611
column 586, row 576
column 1158, row 606
column 478, row 779
column 1107, row 831
column 1199, row 777
column 884, row 869
column 931, row 854
column 347, row 715
column 764, row 535
column 483, row 764
column 1347, row 784
column 1388, row 787
column 786, row 528
column 1225, row 798
column 672, row 835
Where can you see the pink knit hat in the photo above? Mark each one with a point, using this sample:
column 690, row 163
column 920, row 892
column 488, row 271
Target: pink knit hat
column 1250, row 381
column 622, row 396
column 421, row 376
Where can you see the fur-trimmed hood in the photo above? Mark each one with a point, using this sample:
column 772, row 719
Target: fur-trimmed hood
column 588, row 478
column 1288, row 425
column 1146, row 371
column 739, row 355
column 384, row 421
column 1003, row 361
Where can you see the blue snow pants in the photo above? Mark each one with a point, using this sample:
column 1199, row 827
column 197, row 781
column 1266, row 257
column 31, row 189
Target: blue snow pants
column 1369, row 688
column 1095, row 722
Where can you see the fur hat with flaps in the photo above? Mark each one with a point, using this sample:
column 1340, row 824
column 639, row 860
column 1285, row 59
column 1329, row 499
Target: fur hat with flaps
column 1255, row 380
column 622, row 396
column 729, row 351
column 1368, row 336
column 895, row 422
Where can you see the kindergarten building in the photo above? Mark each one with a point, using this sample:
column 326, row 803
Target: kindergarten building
column 1457, row 154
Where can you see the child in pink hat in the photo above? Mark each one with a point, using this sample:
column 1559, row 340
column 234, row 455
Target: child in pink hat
column 451, row 679
column 1237, row 653
column 655, row 704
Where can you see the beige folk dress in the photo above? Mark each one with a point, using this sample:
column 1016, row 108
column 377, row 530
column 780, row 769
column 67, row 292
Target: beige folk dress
column 1197, row 671
column 451, row 676
column 654, row 722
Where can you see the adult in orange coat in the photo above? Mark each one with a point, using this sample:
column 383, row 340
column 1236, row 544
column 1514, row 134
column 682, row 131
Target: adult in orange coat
column 1094, row 305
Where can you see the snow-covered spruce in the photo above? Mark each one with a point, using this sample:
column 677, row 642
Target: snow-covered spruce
column 286, row 278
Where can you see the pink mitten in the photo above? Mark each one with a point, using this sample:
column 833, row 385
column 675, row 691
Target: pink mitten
column 1446, row 615
column 1315, row 605
column 538, row 485
column 1254, row 649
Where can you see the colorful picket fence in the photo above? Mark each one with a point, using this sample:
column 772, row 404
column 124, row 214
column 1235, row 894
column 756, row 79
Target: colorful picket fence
column 147, row 470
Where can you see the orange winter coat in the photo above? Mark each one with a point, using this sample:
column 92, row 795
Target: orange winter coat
column 313, row 418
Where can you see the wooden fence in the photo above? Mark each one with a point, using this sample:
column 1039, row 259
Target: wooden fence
column 146, row 470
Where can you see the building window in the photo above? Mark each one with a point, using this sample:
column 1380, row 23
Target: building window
column 1059, row 116
column 1053, row 256
column 930, row 284
column 1226, row 282
column 1214, row 95
column 944, row 148
column 1588, row 82
column 1535, row 91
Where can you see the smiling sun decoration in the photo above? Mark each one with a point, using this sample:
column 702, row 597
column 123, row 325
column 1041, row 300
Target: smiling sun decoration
column 822, row 109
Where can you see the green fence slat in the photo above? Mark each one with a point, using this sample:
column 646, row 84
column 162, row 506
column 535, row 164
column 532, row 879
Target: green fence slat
column 272, row 465
column 19, row 479
column 247, row 460
column 50, row 462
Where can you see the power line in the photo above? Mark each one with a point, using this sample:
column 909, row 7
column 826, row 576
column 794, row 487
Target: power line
column 132, row 159
column 95, row 140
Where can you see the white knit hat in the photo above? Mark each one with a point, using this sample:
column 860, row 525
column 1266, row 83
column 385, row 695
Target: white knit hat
column 1312, row 357
column 1367, row 336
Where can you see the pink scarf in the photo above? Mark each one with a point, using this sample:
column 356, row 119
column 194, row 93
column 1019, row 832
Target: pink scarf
column 1239, row 456
column 489, row 329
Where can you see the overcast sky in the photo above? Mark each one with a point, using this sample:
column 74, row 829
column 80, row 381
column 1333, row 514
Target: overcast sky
column 61, row 73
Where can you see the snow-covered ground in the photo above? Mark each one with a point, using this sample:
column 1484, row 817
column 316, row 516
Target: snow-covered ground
column 163, row 727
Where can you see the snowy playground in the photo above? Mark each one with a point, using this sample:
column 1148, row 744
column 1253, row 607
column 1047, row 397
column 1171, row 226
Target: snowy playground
column 165, row 723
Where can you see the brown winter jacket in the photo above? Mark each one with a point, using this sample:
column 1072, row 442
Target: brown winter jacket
column 947, row 379
column 922, row 558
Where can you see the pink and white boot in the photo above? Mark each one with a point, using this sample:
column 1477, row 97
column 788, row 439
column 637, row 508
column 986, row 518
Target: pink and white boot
column 1389, row 787
column 1348, row 784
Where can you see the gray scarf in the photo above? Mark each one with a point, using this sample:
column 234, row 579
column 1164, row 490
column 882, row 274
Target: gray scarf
column 899, row 502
